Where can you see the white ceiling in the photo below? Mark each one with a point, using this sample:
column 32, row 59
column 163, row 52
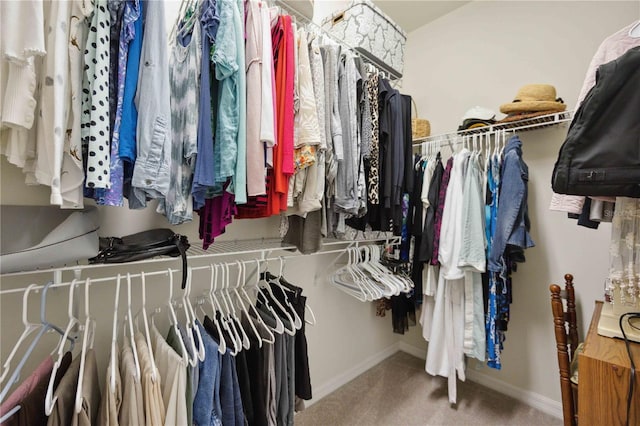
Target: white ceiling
column 412, row 14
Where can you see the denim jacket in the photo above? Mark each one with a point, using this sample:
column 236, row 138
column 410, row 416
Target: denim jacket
column 512, row 226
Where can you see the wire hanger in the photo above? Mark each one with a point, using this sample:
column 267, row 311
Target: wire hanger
column 87, row 340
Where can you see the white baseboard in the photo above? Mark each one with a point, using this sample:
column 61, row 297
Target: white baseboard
column 325, row 389
column 535, row 400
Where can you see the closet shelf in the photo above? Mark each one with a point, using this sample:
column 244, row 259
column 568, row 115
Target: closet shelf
column 263, row 247
column 513, row 126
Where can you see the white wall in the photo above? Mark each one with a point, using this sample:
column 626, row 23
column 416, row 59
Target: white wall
column 477, row 55
column 481, row 54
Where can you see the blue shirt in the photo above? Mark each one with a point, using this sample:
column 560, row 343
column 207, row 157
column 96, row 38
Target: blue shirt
column 227, row 70
column 204, row 175
column 127, row 148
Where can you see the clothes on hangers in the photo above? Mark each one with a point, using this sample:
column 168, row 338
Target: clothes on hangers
column 472, row 235
column 136, row 130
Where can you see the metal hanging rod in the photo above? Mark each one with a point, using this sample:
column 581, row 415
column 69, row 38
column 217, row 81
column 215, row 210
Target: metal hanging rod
column 514, row 126
column 164, row 272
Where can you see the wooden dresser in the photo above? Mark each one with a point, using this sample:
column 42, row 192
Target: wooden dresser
column 603, row 382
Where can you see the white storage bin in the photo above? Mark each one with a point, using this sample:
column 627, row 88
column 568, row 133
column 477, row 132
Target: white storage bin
column 364, row 27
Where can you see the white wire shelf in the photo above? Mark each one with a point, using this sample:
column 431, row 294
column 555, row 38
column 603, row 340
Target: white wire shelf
column 228, row 249
column 513, row 126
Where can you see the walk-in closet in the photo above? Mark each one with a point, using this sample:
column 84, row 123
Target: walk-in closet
column 299, row 212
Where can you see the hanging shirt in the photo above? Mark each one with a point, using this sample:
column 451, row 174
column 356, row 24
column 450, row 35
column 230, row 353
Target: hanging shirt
column 173, row 371
column 239, row 181
column 151, row 172
column 53, row 104
column 174, row 339
column 28, row 385
column 122, row 16
column 225, row 59
column 65, row 395
column 204, row 174
column 154, row 410
column 131, row 410
column 88, row 414
column 253, row 57
column 267, row 110
column 127, row 148
column 184, row 68
column 72, row 174
column 95, row 104
column 111, row 398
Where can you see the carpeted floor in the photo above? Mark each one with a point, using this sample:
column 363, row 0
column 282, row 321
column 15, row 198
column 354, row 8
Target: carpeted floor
column 398, row 392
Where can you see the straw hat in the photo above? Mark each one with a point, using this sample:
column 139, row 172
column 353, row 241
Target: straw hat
column 534, row 98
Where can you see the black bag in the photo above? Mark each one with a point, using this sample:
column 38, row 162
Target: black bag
column 144, row 245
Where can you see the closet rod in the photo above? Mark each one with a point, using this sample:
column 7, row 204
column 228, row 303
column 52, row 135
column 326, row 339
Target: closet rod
column 166, row 271
column 515, row 126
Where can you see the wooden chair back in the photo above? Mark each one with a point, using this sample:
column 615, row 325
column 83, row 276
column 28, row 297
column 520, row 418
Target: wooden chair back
column 566, row 332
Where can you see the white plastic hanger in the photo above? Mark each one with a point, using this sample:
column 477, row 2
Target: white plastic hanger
column 145, row 319
column 173, row 318
column 297, row 321
column 635, row 30
column 87, row 343
column 192, row 327
column 250, row 320
column 279, row 324
column 234, row 317
column 132, row 339
column 29, row 328
column 50, row 400
column 46, row 326
column 193, row 360
column 252, row 308
column 222, row 346
column 237, row 336
column 114, row 337
column 290, row 331
column 223, row 316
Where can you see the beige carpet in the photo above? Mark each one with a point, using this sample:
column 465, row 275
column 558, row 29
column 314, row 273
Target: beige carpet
column 398, row 392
